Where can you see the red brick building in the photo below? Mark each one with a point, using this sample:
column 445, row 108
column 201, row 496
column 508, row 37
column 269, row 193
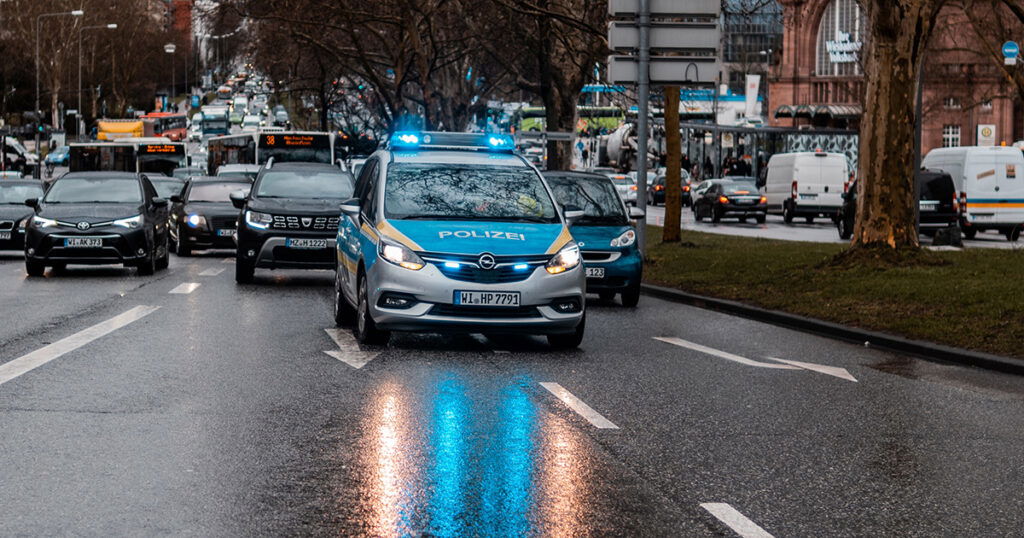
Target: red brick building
column 819, row 80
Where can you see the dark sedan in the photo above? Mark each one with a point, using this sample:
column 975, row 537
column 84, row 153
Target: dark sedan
column 656, row 190
column 725, row 199
column 939, row 206
column 97, row 218
column 13, row 213
column 203, row 217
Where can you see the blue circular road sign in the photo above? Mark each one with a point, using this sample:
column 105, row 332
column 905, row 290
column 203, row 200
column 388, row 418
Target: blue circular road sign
column 1011, row 49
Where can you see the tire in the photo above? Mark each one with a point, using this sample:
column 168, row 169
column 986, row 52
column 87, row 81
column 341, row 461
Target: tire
column 787, row 214
column 34, row 268
column 182, row 250
column 845, row 232
column 761, row 219
column 163, row 262
column 344, row 314
column 244, row 271
column 716, row 216
column 631, row 296
column 148, row 266
column 810, row 220
column 366, row 331
column 571, row 340
column 606, row 295
column 1013, row 234
column 696, row 214
column 970, row 232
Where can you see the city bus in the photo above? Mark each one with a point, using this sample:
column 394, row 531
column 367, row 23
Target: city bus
column 215, row 121
column 532, row 118
column 170, row 125
column 258, row 147
column 143, row 155
column 107, row 129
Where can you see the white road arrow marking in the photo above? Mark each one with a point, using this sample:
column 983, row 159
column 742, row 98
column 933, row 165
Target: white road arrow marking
column 736, row 521
column 348, row 350
column 185, row 288
column 722, row 354
column 834, row 371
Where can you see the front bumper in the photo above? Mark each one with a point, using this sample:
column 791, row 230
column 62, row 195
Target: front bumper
column 125, row 247
column 432, row 308
column 269, row 250
column 622, row 269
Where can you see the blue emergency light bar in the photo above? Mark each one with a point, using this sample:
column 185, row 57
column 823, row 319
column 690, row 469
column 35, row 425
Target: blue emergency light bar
column 458, row 141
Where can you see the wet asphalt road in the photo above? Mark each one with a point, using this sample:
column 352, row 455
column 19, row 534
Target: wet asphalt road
column 217, row 412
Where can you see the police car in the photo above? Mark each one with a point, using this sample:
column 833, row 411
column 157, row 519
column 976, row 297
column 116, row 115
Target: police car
column 454, row 232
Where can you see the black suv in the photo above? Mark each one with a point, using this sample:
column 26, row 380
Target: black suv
column 13, row 214
column 290, row 218
column 97, row 218
column 937, row 198
column 203, row 216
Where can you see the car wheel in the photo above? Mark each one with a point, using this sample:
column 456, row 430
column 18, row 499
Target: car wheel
column 366, row 330
column 761, row 219
column 787, row 214
column 244, row 271
column 148, row 266
column 844, row 230
column 716, row 215
column 1013, row 234
column 164, row 260
column 34, row 268
column 606, row 295
column 183, row 249
column 631, row 296
column 571, row 340
column 344, row 314
column 970, row 232
column 696, row 213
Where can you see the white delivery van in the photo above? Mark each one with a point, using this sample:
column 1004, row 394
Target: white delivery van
column 806, row 184
column 990, row 180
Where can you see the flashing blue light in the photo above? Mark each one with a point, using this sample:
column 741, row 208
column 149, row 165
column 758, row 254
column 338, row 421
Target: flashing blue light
column 499, row 142
column 405, row 139
column 521, row 266
column 451, row 265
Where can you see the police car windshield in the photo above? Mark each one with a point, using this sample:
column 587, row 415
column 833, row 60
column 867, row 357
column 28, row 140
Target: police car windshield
column 595, row 195
column 94, row 190
column 312, row 185
column 466, row 192
column 17, row 194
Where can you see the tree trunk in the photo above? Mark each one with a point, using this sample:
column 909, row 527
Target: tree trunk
column 560, row 112
column 673, row 164
column 886, row 197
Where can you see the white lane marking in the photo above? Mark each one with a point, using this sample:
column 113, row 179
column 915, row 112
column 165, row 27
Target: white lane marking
column 577, row 405
column 834, row 371
column 43, row 355
column 722, row 354
column 228, row 260
column 185, row 288
column 212, row 272
column 348, row 349
column 736, row 521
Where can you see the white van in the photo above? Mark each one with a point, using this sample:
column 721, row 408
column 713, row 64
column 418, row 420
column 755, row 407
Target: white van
column 807, row 184
column 990, row 179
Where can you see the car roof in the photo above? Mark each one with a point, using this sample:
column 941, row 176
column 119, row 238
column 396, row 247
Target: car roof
column 303, row 166
column 216, row 179
column 470, row 157
column 238, row 168
column 97, row 175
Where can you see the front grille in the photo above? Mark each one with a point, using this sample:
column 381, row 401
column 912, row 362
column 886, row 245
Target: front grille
column 6, row 225
column 295, row 222
column 320, row 255
column 468, row 270
column 597, row 256
column 451, row 310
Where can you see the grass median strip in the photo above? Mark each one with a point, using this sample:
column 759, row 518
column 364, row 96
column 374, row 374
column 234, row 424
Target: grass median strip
column 972, row 299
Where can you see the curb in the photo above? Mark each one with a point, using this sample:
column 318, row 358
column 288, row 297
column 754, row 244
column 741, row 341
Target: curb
column 885, row 342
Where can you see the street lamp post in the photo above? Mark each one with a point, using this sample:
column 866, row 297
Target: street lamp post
column 169, row 49
column 39, row 30
column 78, row 116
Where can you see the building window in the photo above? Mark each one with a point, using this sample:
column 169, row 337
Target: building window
column 839, row 39
column 986, row 105
column 950, row 136
column 951, row 103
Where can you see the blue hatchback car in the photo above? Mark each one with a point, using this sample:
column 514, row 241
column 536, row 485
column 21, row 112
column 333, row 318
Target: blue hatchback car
column 58, row 157
column 606, row 234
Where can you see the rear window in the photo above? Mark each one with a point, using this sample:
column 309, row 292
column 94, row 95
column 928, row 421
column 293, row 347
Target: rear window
column 739, row 188
column 937, row 187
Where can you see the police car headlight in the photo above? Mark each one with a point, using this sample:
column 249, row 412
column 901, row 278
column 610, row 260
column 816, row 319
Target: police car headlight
column 400, row 255
column 130, row 222
column 566, row 259
column 624, row 240
column 40, row 222
column 258, row 220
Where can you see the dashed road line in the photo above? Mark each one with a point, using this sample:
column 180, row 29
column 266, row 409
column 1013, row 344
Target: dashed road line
column 723, row 355
column 348, row 350
column 41, row 356
column 212, row 272
column 579, row 407
column 185, row 288
column 736, row 521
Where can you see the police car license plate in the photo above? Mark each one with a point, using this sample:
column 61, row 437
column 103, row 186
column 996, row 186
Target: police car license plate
column 4, row 236
column 487, row 298
column 305, row 243
column 595, row 272
column 83, row 242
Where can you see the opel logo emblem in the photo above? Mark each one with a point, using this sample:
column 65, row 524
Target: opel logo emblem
column 83, row 225
column 306, row 222
column 486, row 261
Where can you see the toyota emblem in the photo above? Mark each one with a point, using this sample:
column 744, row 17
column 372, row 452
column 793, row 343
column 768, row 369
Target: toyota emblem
column 83, row 225
column 486, row 261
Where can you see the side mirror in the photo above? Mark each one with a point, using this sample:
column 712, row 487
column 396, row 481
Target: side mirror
column 350, row 208
column 636, row 213
column 158, row 201
column 32, row 202
column 238, row 199
column 176, row 199
column 572, row 214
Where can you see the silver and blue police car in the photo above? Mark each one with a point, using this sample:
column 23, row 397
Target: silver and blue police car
column 454, row 232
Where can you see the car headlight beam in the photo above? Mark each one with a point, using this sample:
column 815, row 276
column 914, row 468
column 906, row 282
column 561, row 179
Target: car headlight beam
column 400, row 255
column 196, row 221
column 40, row 222
column 258, row 220
column 567, row 258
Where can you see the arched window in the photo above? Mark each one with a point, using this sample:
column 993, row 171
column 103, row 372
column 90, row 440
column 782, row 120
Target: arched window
column 839, row 39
